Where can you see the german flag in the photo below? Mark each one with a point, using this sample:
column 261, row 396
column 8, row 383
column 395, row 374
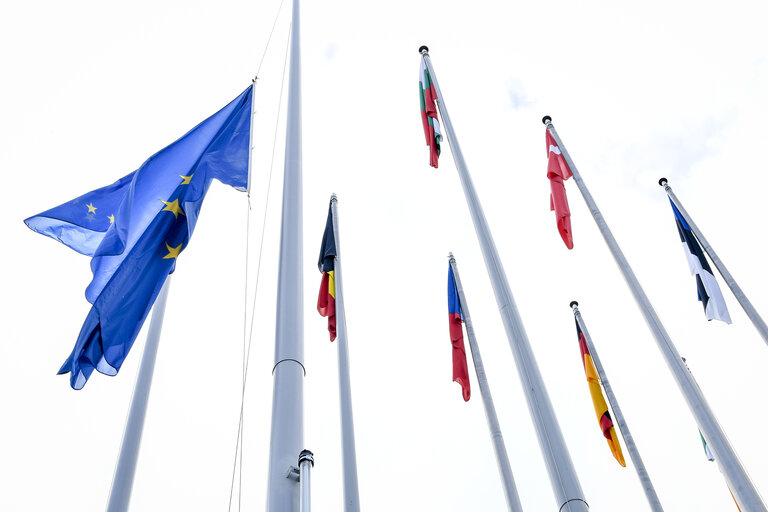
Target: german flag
column 601, row 408
column 326, row 300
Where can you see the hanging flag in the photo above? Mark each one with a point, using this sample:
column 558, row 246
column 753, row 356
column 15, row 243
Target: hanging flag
column 428, row 95
column 557, row 172
column 135, row 229
column 326, row 300
column 455, row 319
column 601, row 408
column 706, row 285
column 711, row 458
column 707, row 451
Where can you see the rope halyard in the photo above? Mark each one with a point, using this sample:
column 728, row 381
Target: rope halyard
column 248, row 329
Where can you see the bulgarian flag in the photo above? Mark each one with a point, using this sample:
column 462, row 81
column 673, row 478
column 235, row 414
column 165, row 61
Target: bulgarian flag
column 326, row 299
column 601, row 408
column 557, row 172
column 428, row 96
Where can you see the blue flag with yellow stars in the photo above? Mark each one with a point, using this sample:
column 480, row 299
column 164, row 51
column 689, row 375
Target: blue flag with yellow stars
column 135, row 229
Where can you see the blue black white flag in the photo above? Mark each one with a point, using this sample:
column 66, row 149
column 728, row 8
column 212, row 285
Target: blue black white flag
column 135, row 229
column 706, row 284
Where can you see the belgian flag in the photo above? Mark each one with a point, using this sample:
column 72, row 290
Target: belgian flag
column 326, row 300
column 601, row 408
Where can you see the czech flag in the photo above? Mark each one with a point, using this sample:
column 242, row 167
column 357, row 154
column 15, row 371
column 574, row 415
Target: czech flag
column 601, row 408
column 326, row 300
column 557, row 172
column 460, row 372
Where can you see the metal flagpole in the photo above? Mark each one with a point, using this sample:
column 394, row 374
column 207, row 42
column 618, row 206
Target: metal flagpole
column 642, row 473
column 505, row 470
column 735, row 474
column 349, row 457
column 562, row 475
column 125, row 470
column 749, row 309
column 287, row 437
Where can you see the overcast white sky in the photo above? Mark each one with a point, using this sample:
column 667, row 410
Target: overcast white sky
column 91, row 89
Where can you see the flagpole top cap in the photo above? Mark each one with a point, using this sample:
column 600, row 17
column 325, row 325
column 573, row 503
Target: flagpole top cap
column 546, row 120
column 574, row 303
column 307, row 456
column 334, row 197
column 423, row 48
column 662, row 181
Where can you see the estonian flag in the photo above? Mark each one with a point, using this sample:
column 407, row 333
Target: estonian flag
column 708, row 289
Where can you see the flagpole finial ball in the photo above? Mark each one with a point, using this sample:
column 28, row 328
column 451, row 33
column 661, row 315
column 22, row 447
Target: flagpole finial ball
column 546, row 120
column 574, row 303
column 662, row 181
column 423, row 48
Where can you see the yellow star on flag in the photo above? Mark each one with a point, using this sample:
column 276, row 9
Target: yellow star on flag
column 91, row 208
column 111, row 218
column 186, row 179
column 173, row 207
column 173, row 252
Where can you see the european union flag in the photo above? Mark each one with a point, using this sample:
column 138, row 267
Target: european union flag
column 135, row 229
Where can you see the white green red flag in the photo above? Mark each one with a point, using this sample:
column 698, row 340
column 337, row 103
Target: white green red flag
column 557, row 172
column 428, row 96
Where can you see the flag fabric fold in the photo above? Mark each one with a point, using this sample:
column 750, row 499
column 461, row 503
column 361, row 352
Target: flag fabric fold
column 135, row 229
column 557, row 172
column 428, row 96
column 601, row 408
column 706, row 285
column 455, row 321
column 707, row 451
column 326, row 299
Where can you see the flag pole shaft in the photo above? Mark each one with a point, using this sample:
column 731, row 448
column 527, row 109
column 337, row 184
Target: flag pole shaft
column 287, row 429
column 125, row 470
column 562, row 475
column 642, row 473
column 734, row 472
column 505, row 470
column 749, row 309
column 349, row 456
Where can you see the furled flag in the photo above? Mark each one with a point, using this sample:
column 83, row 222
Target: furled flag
column 428, row 95
column 455, row 319
column 557, row 172
column 711, row 458
column 326, row 300
column 707, row 451
column 706, row 284
column 601, row 408
column 135, row 229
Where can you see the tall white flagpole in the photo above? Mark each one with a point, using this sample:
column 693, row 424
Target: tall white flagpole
column 125, row 470
column 505, row 470
column 287, row 437
column 562, row 475
column 749, row 309
column 736, row 476
column 634, row 454
column 349, row 456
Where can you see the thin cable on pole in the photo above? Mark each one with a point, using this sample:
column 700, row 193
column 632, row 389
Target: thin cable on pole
column 248, row 332
column 266, row 47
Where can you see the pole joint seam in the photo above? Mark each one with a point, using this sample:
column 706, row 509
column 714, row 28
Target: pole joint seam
column 290, row 359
